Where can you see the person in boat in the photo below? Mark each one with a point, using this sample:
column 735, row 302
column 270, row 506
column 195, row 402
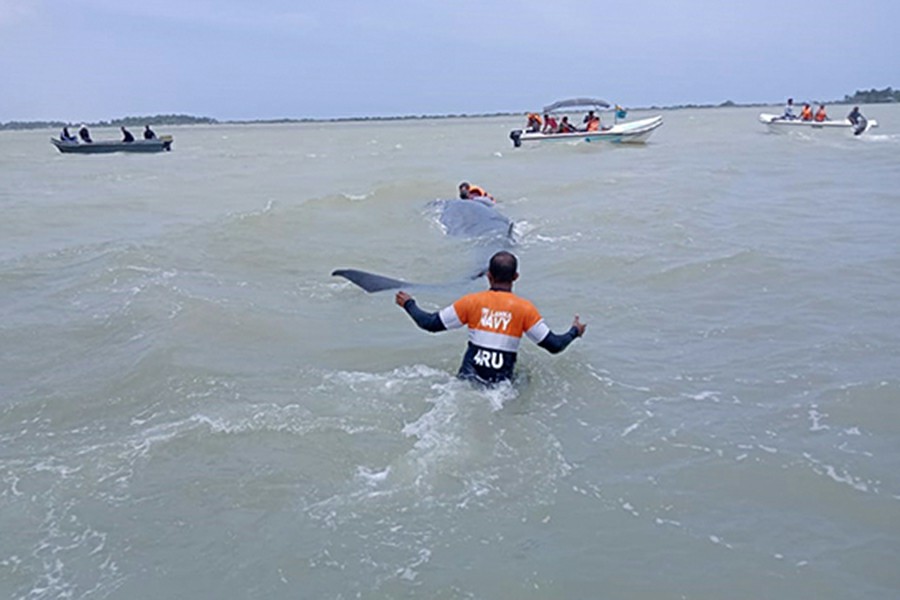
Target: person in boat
column 126, row 135
column 855, row 117
column 467, row 191
column 592, row 122
column 789, row 110
column 858, row 121
column 550, row 124
column 66, row 136
column 821, row 115
column 497, row 319
column 565, row 126
column 806, row 114
column 534, row 123
column 84, row 134
column 149, row 134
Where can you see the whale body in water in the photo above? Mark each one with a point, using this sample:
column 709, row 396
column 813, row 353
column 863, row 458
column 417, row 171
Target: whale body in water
column 475, row 219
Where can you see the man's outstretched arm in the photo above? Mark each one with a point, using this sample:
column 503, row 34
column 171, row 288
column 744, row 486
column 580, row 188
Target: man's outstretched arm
column 426, row 320
column 555, row 344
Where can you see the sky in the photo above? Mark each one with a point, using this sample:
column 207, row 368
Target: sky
column 88, row 60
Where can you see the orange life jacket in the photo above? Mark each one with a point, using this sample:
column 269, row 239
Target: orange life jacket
column 593, row 124
column 534, row 118
column 820, row 115
column 806, row 114
column 477, row 192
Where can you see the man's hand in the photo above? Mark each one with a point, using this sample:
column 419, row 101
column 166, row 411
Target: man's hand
column 576, row 324
column 402, row 298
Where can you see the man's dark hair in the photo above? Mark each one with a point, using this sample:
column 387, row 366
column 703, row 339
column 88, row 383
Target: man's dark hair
column 503, row 267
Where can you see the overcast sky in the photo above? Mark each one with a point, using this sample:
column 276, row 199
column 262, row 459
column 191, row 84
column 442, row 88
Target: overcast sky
column 81, row 60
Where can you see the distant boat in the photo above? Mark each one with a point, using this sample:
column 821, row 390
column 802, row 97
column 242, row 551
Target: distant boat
column 164, row 142
column 777, row 123
column 624, row 132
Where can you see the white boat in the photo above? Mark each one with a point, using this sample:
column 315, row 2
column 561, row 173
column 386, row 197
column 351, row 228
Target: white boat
column 780, row 124
column 620, row 132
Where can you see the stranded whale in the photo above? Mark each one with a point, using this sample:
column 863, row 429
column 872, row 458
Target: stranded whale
column 476, row 219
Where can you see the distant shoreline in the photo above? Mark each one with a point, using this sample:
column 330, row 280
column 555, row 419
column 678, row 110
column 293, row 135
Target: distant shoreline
column 860, row 97
column 139, row 122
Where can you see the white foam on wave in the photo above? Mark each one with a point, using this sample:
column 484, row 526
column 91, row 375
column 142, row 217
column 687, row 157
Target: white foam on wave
column 250, row 214
column 435, row 431
column 703, row 396
column 371, row 477
column 815, row 418
column 879, row 138
column 541, row 239
column 356, row 197
column 390, row 379
column 408, row 572
column 840, row 476
column 500, row 395
column 290, row 419
column 68, row 557
column 631, row 428
column 604, row 377
column 454, row 454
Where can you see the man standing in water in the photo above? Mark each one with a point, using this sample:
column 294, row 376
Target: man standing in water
column 497, row 320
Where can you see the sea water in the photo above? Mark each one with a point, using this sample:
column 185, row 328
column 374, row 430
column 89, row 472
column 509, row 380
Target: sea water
column 191, row 406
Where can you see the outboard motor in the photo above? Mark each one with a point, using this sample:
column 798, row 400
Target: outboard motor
column 516, row 136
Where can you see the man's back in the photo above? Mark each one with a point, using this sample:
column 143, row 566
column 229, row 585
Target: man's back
column 497, row 319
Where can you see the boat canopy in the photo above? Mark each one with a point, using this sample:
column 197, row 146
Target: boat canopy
column 576, row 103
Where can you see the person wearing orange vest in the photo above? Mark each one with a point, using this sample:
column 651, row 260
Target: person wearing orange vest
column 806, row 114
column 565, row 126
column 820, row 114
column 497, row 319
column 534, row 122
column 591, row 118
column 550, row 124
column 467, row 191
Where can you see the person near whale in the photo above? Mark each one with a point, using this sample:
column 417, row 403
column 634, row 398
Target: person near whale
column 497, row 319
column 469, row 191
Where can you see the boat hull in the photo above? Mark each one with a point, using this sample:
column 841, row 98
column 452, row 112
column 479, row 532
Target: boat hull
column 777, row 124
column 632, row 132
column 163, row 143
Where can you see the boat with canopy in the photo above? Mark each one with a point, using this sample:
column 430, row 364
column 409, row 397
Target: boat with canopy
column 619, row 132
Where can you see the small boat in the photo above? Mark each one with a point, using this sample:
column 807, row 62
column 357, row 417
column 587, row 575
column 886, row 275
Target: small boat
column 620, row 132
column 780, row 124
column 164, row 142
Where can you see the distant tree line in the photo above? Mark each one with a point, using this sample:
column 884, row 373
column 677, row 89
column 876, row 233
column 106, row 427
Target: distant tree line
column 369, row 118
column 123, row 122
column 873, row 96
column 12, row 125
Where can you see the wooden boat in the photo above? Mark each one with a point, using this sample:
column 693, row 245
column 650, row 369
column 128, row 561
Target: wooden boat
column 164, row 142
